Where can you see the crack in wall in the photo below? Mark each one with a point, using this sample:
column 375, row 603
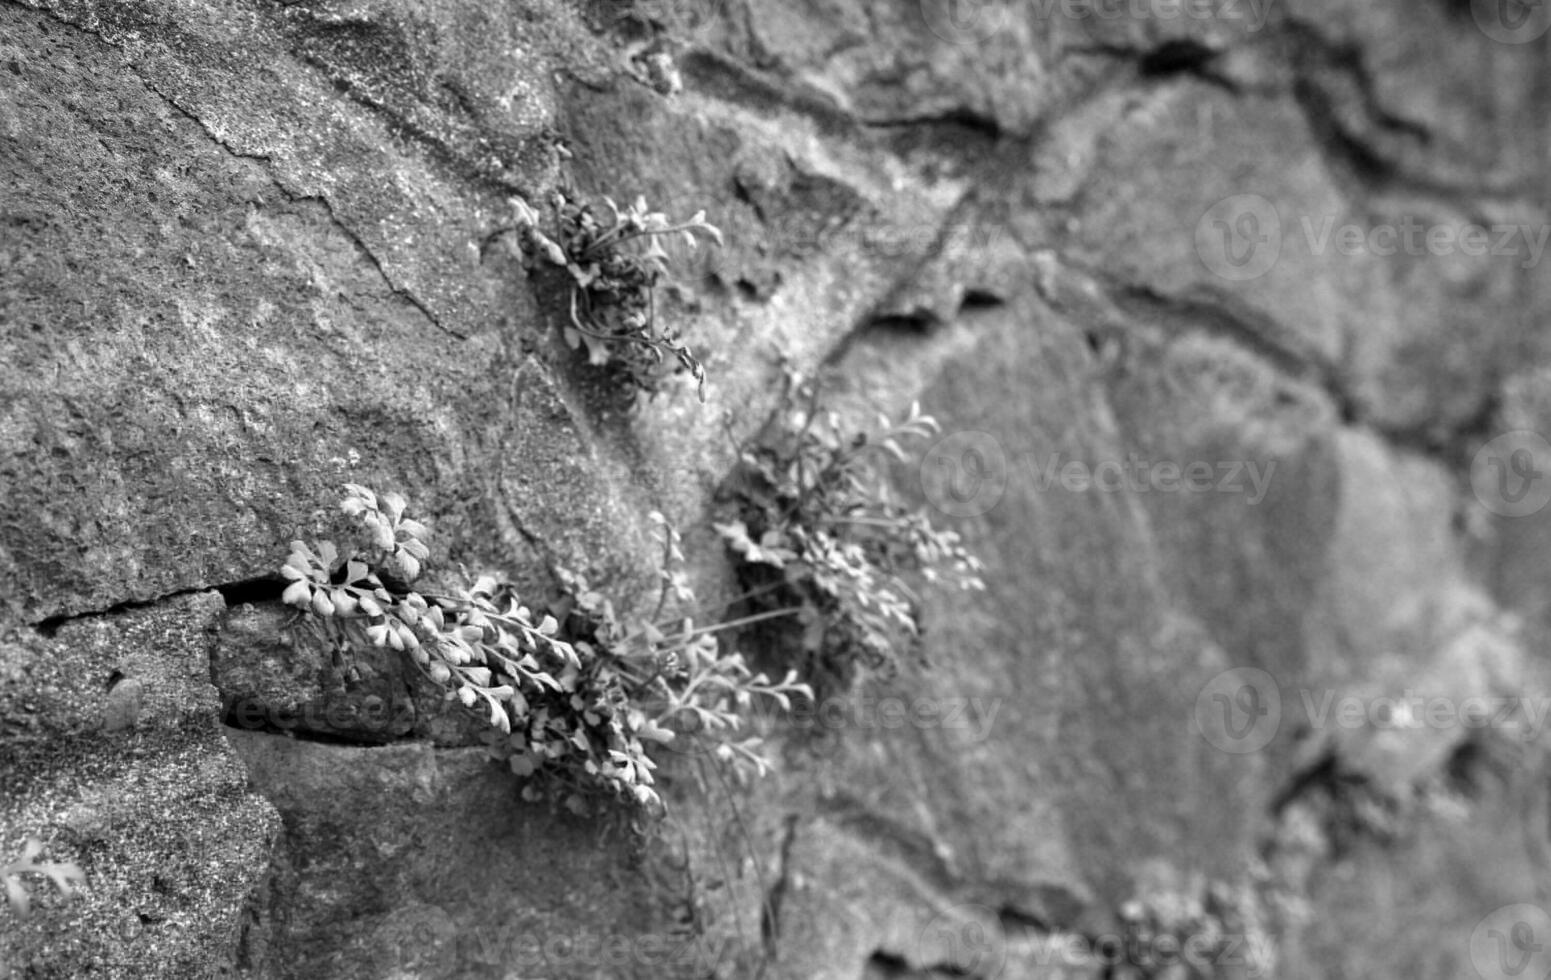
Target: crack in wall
column 408, row 127
column 961, row 117
column 252, row 590
column 268, row 161
column 770, row 910
column 1170, row 58
column 1367, row 167
column 1108, row 308
column 328, row 206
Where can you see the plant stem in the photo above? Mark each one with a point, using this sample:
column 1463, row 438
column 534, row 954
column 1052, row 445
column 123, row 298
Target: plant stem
column 743, row 621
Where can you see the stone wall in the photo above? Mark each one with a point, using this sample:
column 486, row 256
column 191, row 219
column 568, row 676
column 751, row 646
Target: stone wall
column 1227, row 382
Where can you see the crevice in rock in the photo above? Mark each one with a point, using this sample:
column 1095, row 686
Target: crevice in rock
column 1219, row 313
column 886, row 965
column 1107, row 308
column 376, row 263
column 1013, row 916
column 290, row 195
column 1349, row 807
column 1169, row 59
column 321, row 736
column 718, row 76
column 1322, row 770
column 980, row 299
column 1223, row 314
column 915, row 323
column 265, row 588
column 1185, row 55
column 403, row 125
column 913, row 849
column 1450, row 442
column 770, row 912
column 960, row 117
column 1316, row 51
column 1362, row 139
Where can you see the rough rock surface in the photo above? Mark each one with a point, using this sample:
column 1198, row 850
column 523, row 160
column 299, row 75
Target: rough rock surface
column 252, row 250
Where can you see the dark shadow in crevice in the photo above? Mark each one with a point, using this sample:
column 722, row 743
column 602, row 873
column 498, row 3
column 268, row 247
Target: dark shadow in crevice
column 266, row 588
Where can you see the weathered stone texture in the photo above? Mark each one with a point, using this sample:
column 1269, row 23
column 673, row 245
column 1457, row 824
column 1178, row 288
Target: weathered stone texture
column 252, row 250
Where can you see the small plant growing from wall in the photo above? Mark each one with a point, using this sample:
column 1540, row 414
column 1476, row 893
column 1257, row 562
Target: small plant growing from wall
column 615, row 259
column 573, row 700
column 68, row 879
column 816, row 531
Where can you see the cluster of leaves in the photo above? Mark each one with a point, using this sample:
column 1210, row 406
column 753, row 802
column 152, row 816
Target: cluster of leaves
column 684, row 676
column 67, row 877
column 818, row 532
column 572, row 699
column 615, row 261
